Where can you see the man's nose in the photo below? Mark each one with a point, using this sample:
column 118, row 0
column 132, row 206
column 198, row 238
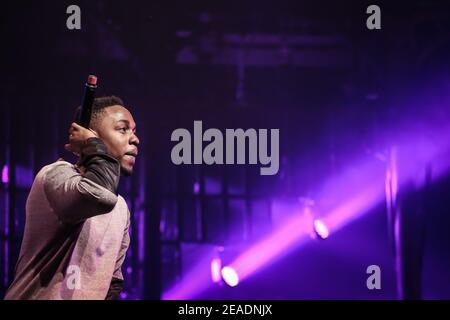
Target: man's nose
column 134, row 139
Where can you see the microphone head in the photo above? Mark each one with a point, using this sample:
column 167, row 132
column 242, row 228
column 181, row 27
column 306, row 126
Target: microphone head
column 92, row 80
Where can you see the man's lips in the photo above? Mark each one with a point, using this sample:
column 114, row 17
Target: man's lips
column 132, row 153
column 131, row 156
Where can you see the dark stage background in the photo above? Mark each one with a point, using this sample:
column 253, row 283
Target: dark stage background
column 344, row 97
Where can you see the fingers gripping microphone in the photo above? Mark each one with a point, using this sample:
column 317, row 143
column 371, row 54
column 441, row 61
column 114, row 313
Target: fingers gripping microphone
column 88, row 100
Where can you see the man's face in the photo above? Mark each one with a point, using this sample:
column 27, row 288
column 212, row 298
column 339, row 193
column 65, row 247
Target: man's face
column 117, row 129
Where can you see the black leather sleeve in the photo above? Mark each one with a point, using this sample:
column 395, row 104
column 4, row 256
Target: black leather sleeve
column 100, row 167
column 115, row 289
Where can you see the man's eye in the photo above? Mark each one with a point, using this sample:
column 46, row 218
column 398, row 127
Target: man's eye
column 123, row 130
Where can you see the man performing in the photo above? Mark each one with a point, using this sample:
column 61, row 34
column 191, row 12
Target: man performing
column 76, row 230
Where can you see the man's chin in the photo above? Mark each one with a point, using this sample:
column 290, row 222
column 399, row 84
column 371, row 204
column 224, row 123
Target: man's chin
column 126, row 171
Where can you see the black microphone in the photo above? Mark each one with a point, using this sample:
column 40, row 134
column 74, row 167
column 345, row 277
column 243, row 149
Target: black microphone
column 88, row 100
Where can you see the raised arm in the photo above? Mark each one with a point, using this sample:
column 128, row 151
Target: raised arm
column 76, row 196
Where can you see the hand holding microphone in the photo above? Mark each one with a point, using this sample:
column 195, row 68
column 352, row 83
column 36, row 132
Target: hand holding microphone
column 77, row 136
column 79, row 132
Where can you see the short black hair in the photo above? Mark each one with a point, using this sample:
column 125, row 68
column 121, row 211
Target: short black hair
column 98, row 107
